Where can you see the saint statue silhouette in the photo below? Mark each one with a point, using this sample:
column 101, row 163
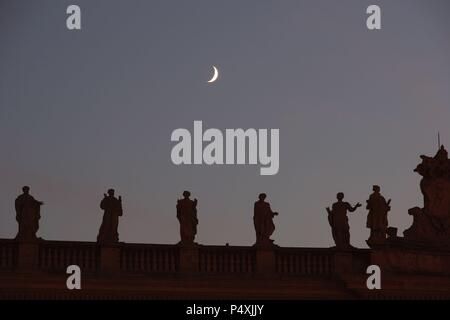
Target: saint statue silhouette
column 187, row 216
column 112, row 208
column 27, row 215
column 337, row 217
column 263, row 221
column 377, row 220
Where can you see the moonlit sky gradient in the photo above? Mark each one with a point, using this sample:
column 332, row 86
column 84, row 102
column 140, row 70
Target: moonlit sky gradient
column 83, row 111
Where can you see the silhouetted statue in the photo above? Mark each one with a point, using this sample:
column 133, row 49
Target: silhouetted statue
column 187, row 216
column 263, row 221
column 337, row 217
column 27, row 215
column 431, row 223
column 377, row 220
column 112, row 207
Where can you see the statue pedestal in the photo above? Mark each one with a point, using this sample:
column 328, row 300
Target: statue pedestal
column 110, row 258
column 265, row 261
column 189, row 258
column 28, row 256
column 343, row 262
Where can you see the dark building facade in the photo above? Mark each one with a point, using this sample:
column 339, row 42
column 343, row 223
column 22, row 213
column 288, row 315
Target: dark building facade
column 415, row 266
column 146, row 271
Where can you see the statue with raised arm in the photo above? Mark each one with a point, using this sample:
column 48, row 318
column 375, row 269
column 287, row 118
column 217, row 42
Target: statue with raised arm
column 27, row 215
column 187, row 216
column 112, row 208
column 263, row 221
column 337, row 217
column 377, row 220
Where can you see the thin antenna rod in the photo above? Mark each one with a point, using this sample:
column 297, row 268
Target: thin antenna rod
column 439, row 140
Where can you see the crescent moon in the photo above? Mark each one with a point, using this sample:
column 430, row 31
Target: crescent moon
column 215, row 76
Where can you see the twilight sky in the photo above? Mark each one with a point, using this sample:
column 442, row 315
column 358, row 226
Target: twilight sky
column 83, row 111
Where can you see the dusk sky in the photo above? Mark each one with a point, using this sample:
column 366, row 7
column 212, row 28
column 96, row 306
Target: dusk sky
column 84, row 111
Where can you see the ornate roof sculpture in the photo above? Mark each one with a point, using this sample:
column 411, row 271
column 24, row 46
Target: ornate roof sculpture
column 431, row 225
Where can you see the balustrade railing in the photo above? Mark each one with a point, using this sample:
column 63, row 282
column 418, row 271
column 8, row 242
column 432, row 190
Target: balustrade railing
column 217, row 259
column 304, row 261
column 8, row 254
column 58, row 255
column 149, row 258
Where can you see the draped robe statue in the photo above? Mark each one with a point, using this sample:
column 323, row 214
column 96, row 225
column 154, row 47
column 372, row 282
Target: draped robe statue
column 337, row 217
column 263, row 221
column 377, row 220
column 187, row 216
column 27, row 216
column 112, row 207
